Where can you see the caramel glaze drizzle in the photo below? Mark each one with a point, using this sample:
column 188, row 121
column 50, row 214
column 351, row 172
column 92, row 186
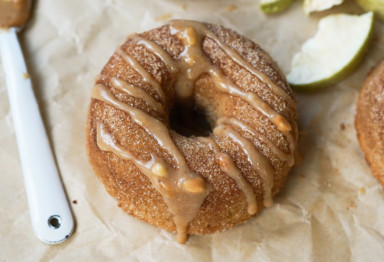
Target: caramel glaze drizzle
column 156, row 49
column 259, row 162
column 289, row 158
column 138, row 93
column 147, row 78
column 178, row 184
column 227, row 166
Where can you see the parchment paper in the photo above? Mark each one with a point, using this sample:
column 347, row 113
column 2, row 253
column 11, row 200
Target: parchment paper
column 330, row 209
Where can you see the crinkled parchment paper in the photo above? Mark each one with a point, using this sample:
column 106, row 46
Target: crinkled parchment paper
column 331, row 208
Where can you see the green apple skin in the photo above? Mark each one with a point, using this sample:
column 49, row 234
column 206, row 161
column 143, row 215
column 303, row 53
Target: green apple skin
column 342, row 74
column 376, row 6
column 275, row 7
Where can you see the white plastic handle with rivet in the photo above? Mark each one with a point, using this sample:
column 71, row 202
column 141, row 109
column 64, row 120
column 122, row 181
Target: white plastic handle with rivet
column 51, row 216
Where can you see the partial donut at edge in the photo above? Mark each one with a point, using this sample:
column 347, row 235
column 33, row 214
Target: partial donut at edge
column 369, row 121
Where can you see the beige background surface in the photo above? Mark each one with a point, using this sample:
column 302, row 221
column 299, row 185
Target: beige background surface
column 331, row 208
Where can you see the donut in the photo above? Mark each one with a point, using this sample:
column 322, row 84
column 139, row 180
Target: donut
column 369, row 121
column 196, row 183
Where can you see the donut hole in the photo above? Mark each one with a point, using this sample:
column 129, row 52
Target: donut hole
column 189, row 121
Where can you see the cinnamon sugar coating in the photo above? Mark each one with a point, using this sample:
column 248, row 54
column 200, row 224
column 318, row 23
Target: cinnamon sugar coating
column 226, row 204
column 369, row 120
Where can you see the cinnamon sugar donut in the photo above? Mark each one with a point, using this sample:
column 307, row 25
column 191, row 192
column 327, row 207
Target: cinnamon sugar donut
column 191, row 184
column 369, row 121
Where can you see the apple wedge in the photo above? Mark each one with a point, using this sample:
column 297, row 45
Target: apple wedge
column 319, row 5
column 376, row 6
column 334, row 52
column 274, row 6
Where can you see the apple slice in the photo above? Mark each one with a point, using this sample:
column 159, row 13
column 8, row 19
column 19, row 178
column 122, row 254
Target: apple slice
column 319, row 5
column 274, row 6
column 376, row 6
column 334, row 52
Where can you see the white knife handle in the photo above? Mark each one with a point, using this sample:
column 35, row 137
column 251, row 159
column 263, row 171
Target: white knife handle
column 51, row 216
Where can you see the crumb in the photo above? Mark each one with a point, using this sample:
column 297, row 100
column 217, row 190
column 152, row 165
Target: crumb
column 362, row 190
column 164, row 17
column 342, row 126
column 301, row 177
column 25, row 75
column 184, row 6
column 352, row 205
column 74, row 202
column 231, row 8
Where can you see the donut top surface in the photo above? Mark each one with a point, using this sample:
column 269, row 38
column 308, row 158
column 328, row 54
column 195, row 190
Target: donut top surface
column 183, row 190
